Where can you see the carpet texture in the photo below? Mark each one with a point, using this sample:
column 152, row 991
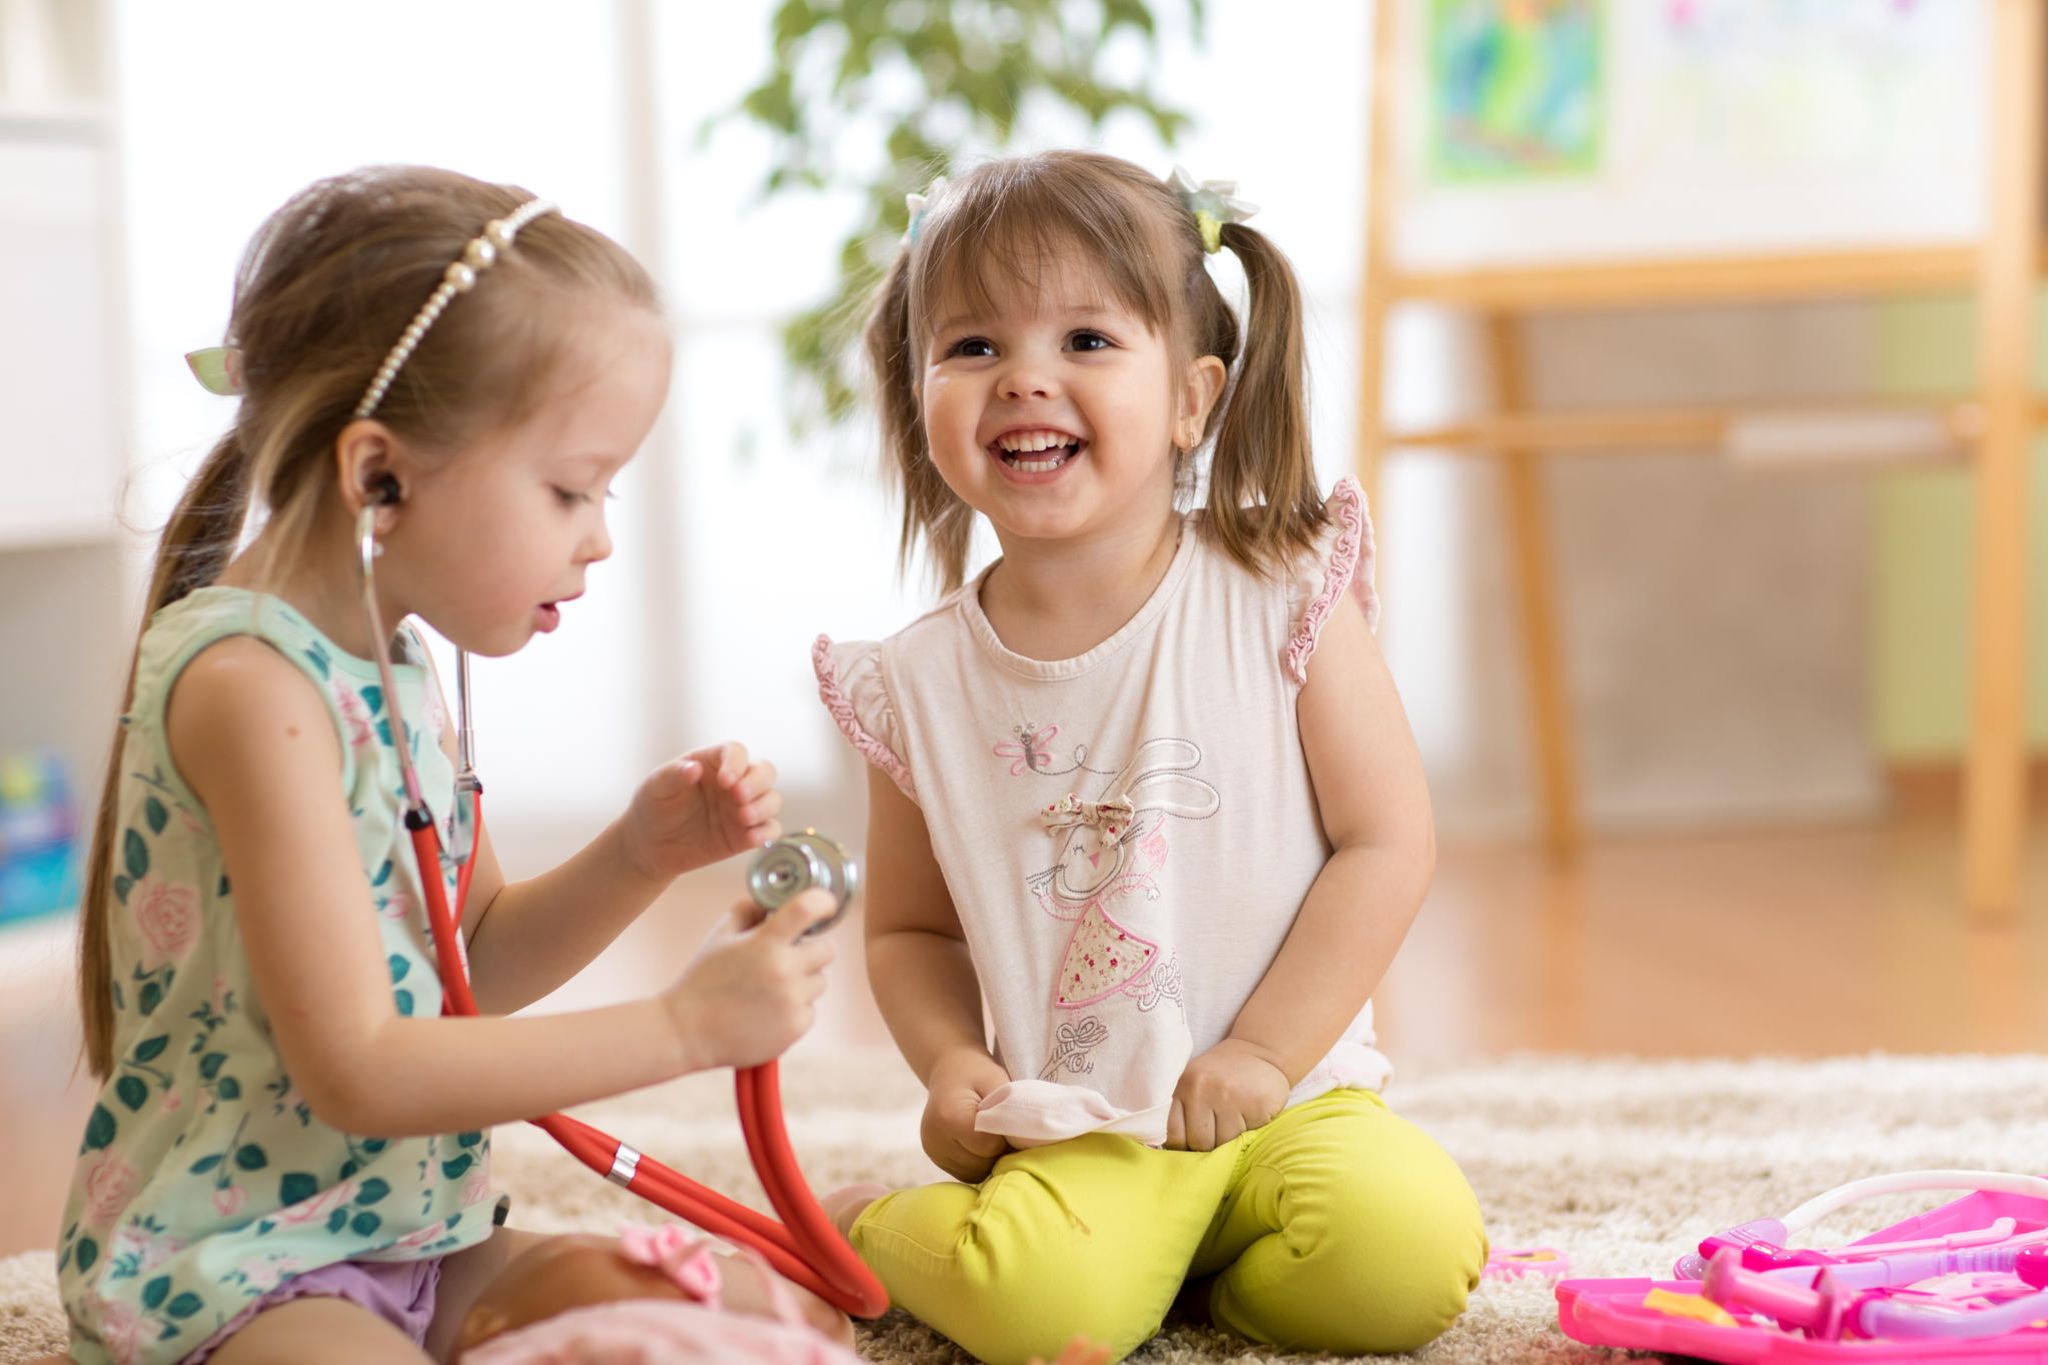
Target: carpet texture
column 1622, row 1164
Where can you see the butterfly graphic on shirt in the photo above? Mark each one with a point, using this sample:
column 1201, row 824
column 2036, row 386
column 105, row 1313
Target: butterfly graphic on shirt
column 1032, row 748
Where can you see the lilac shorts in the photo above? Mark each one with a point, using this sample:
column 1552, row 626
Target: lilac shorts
column 400, row 1292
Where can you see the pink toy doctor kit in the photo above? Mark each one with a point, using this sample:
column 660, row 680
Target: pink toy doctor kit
column 1965, row 1282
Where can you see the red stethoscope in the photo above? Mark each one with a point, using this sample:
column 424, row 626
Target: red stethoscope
column 804, row 1247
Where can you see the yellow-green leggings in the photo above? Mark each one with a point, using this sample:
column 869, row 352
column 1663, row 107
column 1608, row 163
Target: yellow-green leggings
column 1338, row 1227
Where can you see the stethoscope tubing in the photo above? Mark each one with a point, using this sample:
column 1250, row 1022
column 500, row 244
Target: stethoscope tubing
column 804, row 1248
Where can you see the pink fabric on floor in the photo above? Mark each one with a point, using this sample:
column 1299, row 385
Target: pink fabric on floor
column 658, row 1332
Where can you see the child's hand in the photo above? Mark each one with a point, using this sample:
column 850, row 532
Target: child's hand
column 698, row 809
column 1230, row 1089
column 960, row 1080
column 752, row 989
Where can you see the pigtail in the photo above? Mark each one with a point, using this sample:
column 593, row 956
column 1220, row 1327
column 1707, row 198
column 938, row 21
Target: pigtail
column 930, row 511
column 1264, row 504
column 196, row 545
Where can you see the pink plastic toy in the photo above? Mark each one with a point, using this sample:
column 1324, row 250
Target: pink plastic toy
column 1512, row 1263
column 1960, row 1283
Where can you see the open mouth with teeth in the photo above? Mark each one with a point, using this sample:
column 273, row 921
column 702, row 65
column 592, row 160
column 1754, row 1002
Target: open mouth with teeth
column 1036, row 452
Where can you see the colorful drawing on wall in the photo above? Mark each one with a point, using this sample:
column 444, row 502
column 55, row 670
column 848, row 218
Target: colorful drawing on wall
column 1514, row 89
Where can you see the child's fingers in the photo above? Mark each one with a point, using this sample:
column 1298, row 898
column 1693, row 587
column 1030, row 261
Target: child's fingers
column 744, row 915
column 761, row 810
column 989, row 1145
column 1177, row 1126
column 721, row 764
column 732, row 764
column 759, row 778
column 1201, row 1129
column 673, row 778
column 800, row 912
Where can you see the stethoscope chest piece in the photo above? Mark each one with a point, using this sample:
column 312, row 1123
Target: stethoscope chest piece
column 794, row 864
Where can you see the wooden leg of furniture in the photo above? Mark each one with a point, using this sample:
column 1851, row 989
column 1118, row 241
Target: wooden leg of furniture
column 1994, row 798
column 1529, row 537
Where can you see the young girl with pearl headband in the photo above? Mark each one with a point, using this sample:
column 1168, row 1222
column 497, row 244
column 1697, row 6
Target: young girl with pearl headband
column 289, row 1156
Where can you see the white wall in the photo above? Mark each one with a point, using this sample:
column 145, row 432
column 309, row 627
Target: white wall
column 230, row 109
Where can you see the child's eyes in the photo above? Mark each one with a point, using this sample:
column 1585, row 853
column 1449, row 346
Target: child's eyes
column 569, row 497
column 978, row 347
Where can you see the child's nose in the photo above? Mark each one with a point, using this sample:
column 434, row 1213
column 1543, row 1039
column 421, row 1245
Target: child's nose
column 1028, row 379
column 598, row 544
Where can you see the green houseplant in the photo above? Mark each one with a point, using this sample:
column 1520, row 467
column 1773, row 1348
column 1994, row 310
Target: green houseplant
column 937, row 80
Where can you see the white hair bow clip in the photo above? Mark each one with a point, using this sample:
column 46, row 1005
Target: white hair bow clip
column 1212, row 202
column 918, row 203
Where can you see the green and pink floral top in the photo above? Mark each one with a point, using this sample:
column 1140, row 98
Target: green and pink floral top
column 204, row 1181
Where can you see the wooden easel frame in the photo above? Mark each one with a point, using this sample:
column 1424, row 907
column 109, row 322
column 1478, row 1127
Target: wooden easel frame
column 1999, row 419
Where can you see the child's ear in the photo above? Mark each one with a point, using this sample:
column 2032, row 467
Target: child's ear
column 371, row 470
column 1201, row 387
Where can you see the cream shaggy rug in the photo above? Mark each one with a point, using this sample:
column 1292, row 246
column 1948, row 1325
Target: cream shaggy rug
column 1621, row 1164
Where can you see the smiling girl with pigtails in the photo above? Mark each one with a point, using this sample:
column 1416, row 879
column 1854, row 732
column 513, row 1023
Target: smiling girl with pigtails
column 1142, row 791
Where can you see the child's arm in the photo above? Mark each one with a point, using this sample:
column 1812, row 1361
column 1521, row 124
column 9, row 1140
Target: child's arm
column 1374, row 800
column 924, row 982
column 528, row 937
column 255, row 743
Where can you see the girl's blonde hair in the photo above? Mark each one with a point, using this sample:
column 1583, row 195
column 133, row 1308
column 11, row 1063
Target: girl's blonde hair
column 1009, row 221
column 325, row 287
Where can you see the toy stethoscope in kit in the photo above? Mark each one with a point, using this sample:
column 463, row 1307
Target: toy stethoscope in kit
column 804, row 1247
column 1864, row 1290
column 1965, row 1283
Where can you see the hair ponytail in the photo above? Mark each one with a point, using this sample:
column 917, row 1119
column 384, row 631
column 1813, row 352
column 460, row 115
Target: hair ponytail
column 1264, row 504
column 197, row 543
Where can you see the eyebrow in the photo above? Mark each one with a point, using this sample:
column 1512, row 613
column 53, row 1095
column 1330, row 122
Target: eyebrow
column 1087, row 312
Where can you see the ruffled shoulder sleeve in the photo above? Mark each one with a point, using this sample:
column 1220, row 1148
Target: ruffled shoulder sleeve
column 1341, row 562
column 855, row 690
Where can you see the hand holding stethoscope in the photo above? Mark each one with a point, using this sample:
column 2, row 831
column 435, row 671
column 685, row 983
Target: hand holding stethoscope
column 804, row 1247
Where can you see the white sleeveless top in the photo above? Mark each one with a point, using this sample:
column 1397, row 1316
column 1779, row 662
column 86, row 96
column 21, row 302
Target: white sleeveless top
column 1127, row 835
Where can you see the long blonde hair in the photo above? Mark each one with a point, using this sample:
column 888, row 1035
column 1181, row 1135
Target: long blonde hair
column 1014, row 215
column 324, row 289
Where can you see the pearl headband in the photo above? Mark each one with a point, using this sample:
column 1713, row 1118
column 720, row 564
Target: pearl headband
column 219, row 368
column 459, row 278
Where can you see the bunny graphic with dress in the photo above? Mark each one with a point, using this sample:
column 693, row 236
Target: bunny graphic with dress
column 1107, row 866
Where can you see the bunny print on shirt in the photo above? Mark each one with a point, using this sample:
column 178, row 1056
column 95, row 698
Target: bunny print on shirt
column 1104, row 879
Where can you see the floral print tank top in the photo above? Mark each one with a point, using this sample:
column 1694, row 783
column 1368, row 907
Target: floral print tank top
column 203, row 1179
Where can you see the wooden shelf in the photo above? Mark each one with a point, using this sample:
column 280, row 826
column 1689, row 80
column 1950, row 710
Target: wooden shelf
column 1697, row 279
column 1706, row 429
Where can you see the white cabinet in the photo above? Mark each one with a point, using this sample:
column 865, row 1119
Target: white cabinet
column 60, row 437
column 67, row 568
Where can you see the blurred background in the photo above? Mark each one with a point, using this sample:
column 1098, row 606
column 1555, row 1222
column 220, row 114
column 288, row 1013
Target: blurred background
column 1652, row 325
